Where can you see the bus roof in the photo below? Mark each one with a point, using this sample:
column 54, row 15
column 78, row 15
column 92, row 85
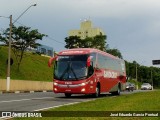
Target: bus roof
column 78, row 51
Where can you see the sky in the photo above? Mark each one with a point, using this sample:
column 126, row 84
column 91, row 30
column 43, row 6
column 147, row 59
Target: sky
column 131, row 26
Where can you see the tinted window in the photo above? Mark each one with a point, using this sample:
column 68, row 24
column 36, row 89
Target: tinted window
column 71, row 67
column 105, row 62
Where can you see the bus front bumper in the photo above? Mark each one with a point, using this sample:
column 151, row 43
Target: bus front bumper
column 73, row 89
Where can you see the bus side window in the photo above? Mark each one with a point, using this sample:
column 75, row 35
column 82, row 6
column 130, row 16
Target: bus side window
column 90, row 70
column 93, row 61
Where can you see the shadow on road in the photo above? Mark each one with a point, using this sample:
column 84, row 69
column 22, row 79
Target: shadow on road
column 81, row 96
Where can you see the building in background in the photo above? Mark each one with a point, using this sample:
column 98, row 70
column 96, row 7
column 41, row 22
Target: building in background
column 45, row 50
column 86, row 30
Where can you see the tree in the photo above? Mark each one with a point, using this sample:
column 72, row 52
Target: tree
column 87, row 42
column 97, row 42
column 22, row 38
column 73, row 42
column 156, row 77
column 115, row 52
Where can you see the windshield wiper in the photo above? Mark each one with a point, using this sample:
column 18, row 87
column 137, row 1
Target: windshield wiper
column 69, row 67
column 74, row 73
column 83, row 77
column 65, row 71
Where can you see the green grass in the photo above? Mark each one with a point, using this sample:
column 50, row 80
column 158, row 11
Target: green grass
column 33, row 67
column 145, row 101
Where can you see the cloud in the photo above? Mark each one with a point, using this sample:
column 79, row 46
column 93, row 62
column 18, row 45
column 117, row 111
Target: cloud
column 132, row 26
column 105, row 8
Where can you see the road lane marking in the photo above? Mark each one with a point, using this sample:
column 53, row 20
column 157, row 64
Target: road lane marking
column 63, row 105
column 25, row 99
column 57, row 106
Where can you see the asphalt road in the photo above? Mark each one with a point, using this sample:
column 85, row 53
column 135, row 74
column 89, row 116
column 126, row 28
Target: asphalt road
column 41, row 101
column 36, row 101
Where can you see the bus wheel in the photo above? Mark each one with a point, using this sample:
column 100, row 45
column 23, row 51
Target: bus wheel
column 117, row 92
column 67, row 95
column 97, row 93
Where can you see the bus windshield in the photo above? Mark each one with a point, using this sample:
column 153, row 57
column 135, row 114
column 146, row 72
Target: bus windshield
column 71, row 67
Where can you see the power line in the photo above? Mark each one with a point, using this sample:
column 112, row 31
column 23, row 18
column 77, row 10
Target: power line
column 15, row 21
column 20, row 23
column 47, row 36
column 55, row 40
column 2, row 29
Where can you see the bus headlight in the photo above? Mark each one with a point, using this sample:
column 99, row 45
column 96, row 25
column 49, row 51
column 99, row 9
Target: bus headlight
column 55, row 83
column 82, row 84
column 83, row 90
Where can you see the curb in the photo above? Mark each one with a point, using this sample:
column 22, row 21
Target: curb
column 5, row 92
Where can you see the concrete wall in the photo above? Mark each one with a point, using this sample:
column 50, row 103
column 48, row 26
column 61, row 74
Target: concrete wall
column 24, row 85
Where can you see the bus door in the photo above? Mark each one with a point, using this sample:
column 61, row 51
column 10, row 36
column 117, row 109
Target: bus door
column 92, row 73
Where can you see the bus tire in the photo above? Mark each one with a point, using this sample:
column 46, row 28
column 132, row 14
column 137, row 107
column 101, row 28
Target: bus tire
column 118, row 92
column 67, row 95
column 97, row 93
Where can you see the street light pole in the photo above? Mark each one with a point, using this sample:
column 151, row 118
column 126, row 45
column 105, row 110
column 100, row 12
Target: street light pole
column 24, row 12
column 9, row 48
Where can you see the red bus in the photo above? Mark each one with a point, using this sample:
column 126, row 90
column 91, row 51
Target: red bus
column 87, row 71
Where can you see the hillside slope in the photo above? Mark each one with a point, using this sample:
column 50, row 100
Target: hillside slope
column 33, row 67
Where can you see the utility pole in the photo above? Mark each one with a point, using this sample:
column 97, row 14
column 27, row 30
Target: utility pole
column 136, row 72
column 154, row 62
column 9, row 47
column 152, row 78
column 136, row 77
column 9, row 55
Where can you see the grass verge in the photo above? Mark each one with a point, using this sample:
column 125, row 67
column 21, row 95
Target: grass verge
column 33, row 67
column 144, row 101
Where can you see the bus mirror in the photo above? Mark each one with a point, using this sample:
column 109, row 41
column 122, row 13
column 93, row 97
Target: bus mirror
column 89, row 61
column 51, row 60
